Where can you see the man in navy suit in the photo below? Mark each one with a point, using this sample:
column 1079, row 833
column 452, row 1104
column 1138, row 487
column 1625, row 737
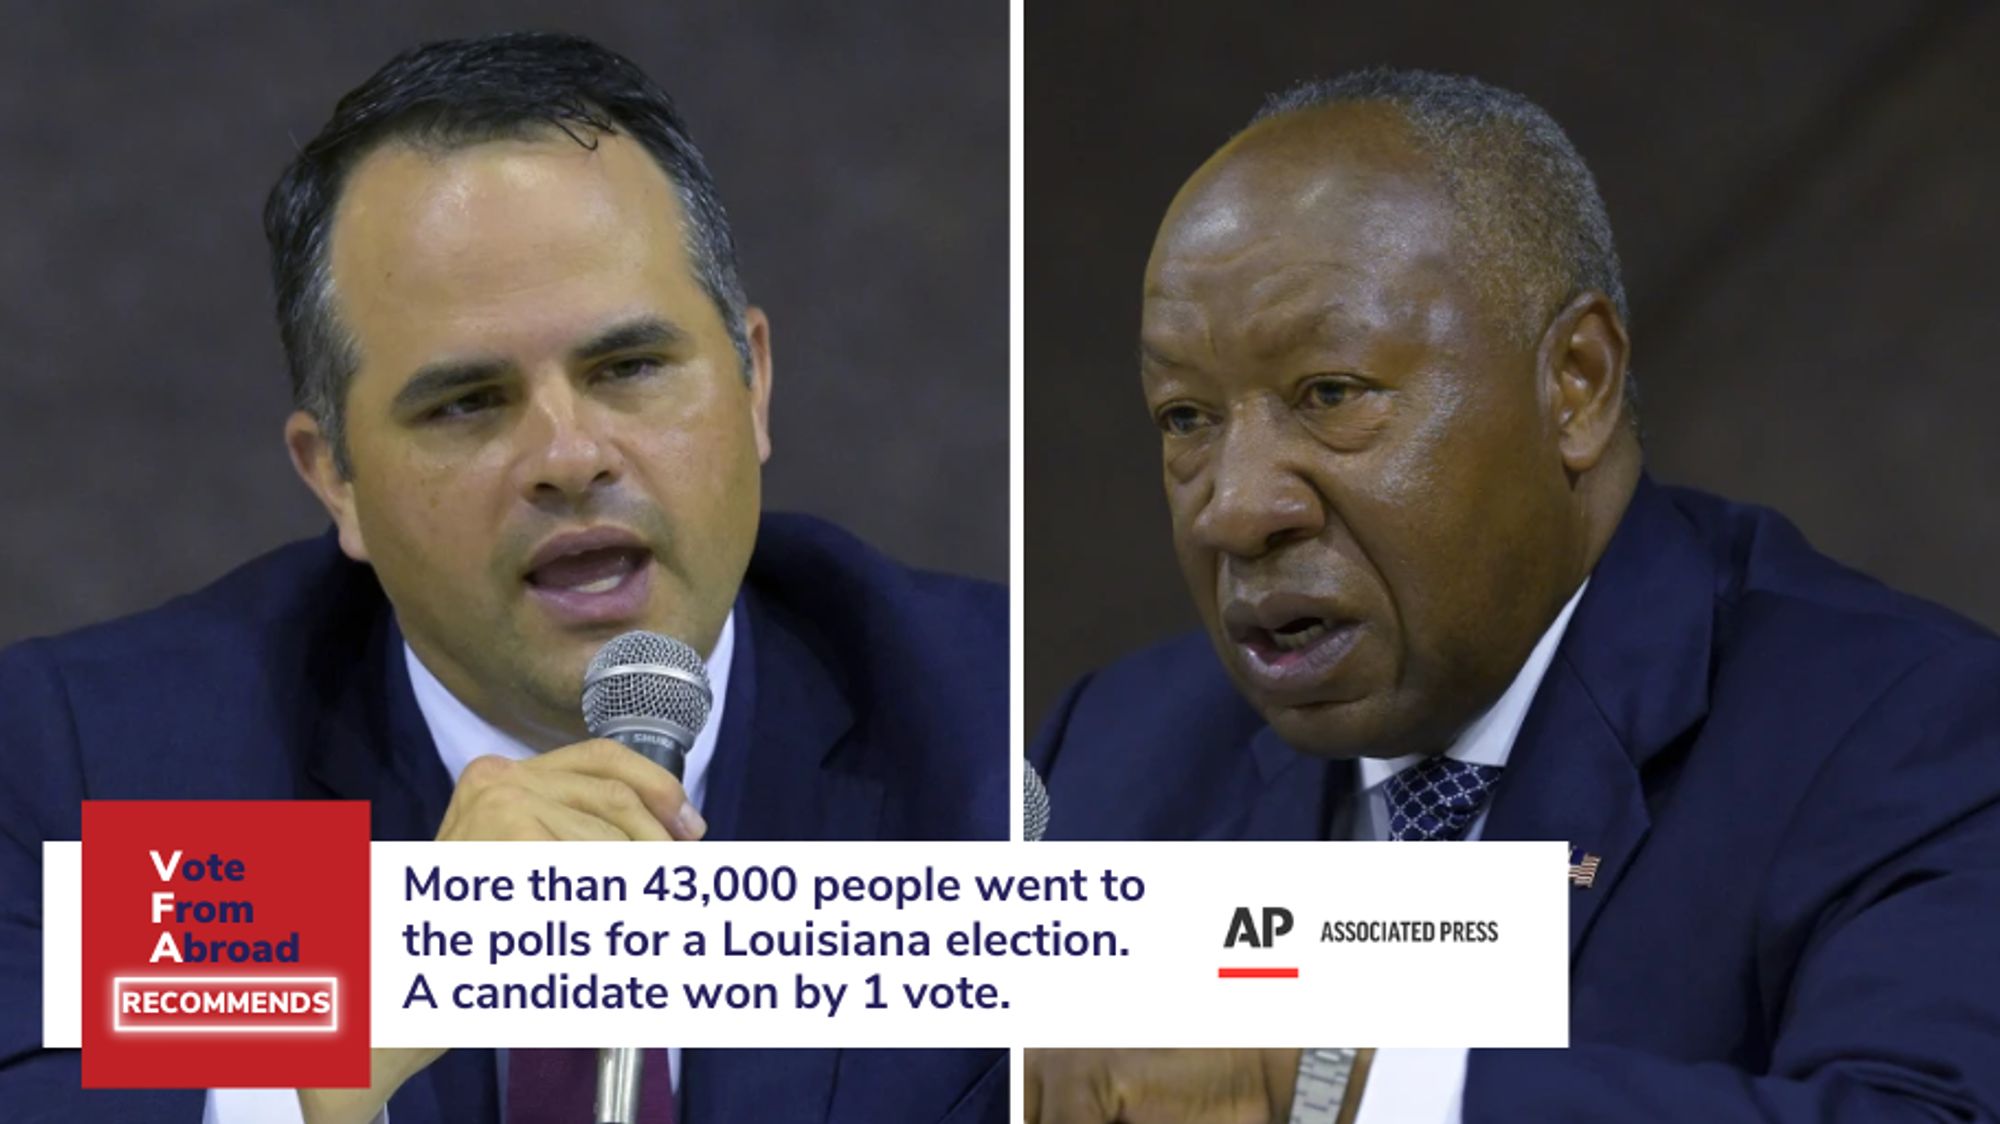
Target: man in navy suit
column 1384, row 342
column 533, row 398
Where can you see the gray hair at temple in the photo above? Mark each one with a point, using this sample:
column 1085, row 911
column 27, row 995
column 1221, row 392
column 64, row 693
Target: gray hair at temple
column 1527, row 204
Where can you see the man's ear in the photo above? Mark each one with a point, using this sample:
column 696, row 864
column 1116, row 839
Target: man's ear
column 313, row 459
column 757, row 331
column 1582, row 363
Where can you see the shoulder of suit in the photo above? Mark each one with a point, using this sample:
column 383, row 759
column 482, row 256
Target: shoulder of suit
column 839, row 586
column 923, row 652
column 210, row 678
column 285, row 601
column 1781, row 602
column 1167, row 696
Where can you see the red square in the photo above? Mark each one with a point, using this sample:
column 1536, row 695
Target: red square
column 225, row 943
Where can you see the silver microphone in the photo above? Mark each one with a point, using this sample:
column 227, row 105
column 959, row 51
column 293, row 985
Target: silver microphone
column 1034, row 805
column 650, row 694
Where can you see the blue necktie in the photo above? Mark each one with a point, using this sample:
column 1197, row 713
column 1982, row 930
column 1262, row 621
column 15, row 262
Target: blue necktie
column 1437, row 798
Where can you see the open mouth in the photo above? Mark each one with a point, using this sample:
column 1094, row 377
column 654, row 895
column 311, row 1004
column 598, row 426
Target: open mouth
column 1298, row 635
column 1291, row 643
column 592, row 578
column 591, row 571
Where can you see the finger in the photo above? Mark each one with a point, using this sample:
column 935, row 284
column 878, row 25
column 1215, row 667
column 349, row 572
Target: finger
column 564, row 822
column 1184, row 1086
column 1072, row 1101
column 485, row 806
column 1281, row 1077
column 1067, row 1086
column 1031, row 1086
column 1233, row 1088
column 513, row 812
column 658, row 789
column 612, row 801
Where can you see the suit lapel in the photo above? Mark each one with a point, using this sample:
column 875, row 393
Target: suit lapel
column 1288, row 794
column 1569, row 778
column 371, row 742
column 460, row 1086
column 783, row 767
column 1630, row 678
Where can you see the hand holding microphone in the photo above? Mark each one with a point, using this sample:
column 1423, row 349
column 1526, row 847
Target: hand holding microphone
column 645, row 699
column 596, row 789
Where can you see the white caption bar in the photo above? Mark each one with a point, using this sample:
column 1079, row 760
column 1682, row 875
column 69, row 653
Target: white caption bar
column 894, row 945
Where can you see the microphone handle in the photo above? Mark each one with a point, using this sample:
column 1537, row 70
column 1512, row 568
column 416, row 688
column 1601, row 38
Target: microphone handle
column 618, row 1066
column 617, row 1085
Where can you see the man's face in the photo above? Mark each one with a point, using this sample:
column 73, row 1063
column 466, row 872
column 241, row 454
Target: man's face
column 551, row 436
column 1368, row 502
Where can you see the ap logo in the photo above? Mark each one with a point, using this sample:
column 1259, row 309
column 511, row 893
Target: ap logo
column 1244, row 927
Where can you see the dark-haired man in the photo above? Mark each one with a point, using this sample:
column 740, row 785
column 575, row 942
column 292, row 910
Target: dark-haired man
column 533, row 399
column 1384, row 341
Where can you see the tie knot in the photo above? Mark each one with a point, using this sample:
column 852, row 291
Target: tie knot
column 1437, row 798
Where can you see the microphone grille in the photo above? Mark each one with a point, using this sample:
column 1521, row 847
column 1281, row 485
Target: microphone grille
column 646, row 675
column 1034, row 805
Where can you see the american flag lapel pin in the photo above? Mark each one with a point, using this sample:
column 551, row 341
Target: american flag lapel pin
column 1582, row 868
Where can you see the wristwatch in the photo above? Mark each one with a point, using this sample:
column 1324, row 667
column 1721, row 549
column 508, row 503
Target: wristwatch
column 1329, row 1086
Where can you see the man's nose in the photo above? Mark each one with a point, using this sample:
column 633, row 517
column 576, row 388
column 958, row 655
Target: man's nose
column 1260, row 495
column 565, row 453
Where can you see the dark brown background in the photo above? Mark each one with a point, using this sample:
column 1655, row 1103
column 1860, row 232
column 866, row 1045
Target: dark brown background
column 862, row 151
column 1803, row 194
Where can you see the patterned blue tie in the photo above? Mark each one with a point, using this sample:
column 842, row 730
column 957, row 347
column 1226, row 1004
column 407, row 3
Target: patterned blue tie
column 1437, row 798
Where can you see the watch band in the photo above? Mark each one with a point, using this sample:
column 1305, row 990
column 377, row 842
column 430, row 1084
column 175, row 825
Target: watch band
column 1324, row 1076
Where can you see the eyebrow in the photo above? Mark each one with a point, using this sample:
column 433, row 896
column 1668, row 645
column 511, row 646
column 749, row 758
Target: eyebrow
column 642, row 331
column 439, row 380
column 1146, row 355
column 433, row 381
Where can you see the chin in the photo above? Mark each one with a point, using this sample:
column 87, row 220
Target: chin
column 1365, row 727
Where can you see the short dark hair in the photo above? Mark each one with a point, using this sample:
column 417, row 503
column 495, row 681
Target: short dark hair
column 447, row 95
column 1526, row 201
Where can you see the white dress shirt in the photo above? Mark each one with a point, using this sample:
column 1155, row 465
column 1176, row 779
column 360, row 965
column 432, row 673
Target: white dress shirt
column 460, row 735
column 1420, row 1086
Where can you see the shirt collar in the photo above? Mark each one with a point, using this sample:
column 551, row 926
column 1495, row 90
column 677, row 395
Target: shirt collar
column 461, row 735
column 1489, row 739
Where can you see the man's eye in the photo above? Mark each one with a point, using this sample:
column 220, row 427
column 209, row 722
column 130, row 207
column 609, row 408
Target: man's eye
column 1179, row 421
column 637, row 367
column 1327, row 393
column 465, row 405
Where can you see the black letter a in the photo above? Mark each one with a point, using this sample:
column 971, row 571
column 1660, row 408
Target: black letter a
column 1242, row 928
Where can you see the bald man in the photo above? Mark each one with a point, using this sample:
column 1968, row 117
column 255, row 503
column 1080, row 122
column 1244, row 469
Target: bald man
column 1384, row 342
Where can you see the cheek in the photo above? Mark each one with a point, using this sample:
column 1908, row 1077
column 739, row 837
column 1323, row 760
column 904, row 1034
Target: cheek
column 1197, row 565
column 1463, row 545
column 704, row 477
column 1421, row 511
column 696, row 464
column 428, row 521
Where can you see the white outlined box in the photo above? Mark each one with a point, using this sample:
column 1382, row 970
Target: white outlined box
column 331, row 985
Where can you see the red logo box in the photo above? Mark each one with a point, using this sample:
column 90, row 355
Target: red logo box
column 225, row 944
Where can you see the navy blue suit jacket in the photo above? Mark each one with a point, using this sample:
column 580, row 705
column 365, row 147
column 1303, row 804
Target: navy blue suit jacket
column 1792, row 775
column 866, row 701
